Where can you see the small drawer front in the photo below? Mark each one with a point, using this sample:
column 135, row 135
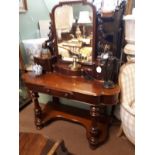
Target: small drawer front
column 59, row 93
column 68, row 94
column 87, row 98
column 35, row 88
column 53, row 92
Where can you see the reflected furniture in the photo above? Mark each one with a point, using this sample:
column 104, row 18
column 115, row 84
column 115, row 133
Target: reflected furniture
column 74, row 72
column 73, row 39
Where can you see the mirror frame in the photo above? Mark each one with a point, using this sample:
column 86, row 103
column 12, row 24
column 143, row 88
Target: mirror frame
column 94, row 27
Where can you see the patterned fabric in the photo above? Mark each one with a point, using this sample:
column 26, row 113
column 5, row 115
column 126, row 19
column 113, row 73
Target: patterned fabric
column 127, row 111
column 128, row 122
column 127, row 83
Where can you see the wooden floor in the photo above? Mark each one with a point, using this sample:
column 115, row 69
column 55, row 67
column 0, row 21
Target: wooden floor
column 74, row 136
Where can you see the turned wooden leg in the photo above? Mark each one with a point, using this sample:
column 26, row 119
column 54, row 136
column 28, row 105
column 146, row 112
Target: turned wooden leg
column 37, row 110
column 94, row 129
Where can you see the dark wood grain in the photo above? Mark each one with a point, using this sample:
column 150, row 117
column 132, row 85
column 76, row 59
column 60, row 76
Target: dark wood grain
column 64, row 83
column 34, row 144
column 95, row 125
column 37, row 144
column 75, row 88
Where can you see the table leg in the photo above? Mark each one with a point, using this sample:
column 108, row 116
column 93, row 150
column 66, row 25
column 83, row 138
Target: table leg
column 37, row 110
column 94, row 129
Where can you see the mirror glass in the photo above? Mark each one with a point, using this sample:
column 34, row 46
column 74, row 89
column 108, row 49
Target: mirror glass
column 74, row 30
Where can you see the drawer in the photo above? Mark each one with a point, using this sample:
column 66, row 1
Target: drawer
column 35, row 88
column 59, row 93
column 53, row 92
column 65, row 94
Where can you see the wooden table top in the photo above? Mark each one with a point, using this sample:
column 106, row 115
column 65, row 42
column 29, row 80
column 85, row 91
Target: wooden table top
column 64, row 83
column 34, row 144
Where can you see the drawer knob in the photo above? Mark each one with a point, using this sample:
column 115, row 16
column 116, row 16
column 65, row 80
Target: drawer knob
column 48, row 90
column 66, row 95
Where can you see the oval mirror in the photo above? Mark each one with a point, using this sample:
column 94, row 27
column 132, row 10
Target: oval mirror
column 74, row 27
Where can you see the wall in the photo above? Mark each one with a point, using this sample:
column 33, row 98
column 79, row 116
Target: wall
column 28, row 22
column 37, row 10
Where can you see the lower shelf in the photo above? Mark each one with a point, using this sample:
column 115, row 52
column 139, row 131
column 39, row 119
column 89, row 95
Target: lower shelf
column 59, row 111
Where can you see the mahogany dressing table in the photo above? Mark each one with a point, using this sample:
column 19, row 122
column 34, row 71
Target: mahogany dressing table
column 66, row 79
column 76, row 88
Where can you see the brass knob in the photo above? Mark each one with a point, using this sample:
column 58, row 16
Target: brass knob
column 48, row 90
column 66, row 95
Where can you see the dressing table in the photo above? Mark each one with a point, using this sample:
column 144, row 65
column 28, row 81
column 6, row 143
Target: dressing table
column 73, row 75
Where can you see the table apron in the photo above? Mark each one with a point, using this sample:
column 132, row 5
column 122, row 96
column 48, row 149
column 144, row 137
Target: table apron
column 105, row 99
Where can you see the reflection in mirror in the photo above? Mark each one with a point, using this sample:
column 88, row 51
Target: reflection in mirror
column 74, row 29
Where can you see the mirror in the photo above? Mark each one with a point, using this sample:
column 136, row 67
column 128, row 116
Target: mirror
column 74, row 27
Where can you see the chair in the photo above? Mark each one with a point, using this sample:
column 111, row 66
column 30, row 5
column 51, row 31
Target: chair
column 127, row 107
